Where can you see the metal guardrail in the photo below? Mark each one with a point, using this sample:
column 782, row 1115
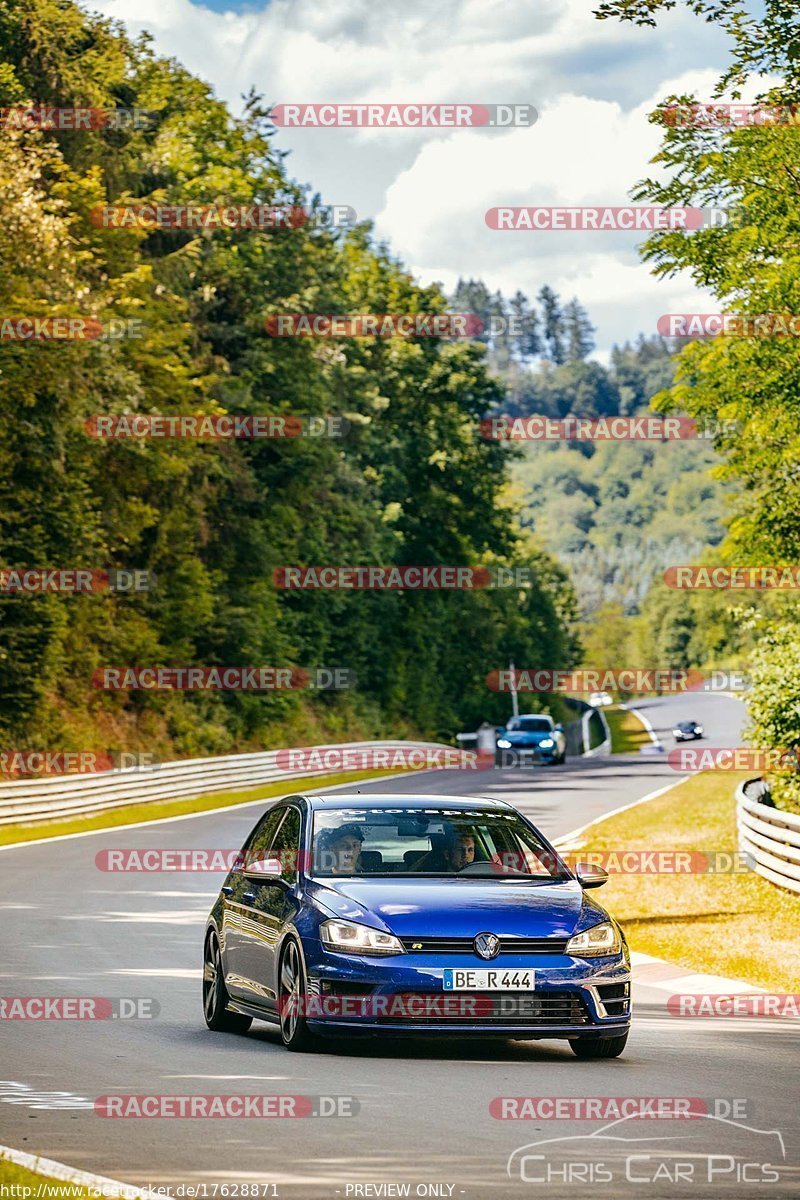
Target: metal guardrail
column 770, row 837
column 604, row 747
column 76, row 795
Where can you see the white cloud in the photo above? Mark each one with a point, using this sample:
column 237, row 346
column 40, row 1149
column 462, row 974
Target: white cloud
column 582, row 152
column 593, row 83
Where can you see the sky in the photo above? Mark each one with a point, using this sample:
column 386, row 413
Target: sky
column 592, row 83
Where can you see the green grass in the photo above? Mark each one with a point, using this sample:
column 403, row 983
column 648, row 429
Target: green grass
column 130, row 813
column 737, row 925
column 627, row 731
column 51, row 1189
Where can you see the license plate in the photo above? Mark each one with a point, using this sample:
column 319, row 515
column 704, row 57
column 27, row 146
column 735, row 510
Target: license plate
column 491, row 979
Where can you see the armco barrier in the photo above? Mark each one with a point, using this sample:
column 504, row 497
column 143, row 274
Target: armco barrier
column 596, row 717
column 75, row 795
column 770, row 837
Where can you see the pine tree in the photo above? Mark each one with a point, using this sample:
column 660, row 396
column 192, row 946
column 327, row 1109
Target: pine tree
column 579, row 331
column 553, row 326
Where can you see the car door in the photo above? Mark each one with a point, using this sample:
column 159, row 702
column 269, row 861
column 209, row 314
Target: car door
column 274, row 904
column 239, row 895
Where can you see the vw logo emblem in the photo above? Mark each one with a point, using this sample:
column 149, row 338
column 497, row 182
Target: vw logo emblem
column 487, row 945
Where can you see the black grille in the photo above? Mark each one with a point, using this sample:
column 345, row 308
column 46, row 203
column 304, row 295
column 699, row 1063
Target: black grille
column 478, row 1008
column 465, row 945
column 615, row 998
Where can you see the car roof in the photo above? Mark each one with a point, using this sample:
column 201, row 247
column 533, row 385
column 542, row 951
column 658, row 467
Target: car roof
column 402, row 800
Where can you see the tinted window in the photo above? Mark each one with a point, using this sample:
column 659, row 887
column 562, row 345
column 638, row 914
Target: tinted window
column 261, row 839
column 490, row 844
column 530, row 724
column 286, row 845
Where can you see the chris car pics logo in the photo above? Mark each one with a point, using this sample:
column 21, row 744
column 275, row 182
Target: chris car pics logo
column 707, row 1151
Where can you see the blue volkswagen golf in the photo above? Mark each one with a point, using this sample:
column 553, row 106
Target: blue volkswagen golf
column 398, row 914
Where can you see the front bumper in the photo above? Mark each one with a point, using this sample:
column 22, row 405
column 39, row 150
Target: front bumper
column 404, row 994
column 530, row 754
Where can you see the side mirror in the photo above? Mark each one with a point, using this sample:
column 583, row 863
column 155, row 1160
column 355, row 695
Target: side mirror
column 591, row 877
column 499, row 729
column 264, row 868
column 559, row 728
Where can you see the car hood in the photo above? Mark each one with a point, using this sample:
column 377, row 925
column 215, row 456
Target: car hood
column 459, row 908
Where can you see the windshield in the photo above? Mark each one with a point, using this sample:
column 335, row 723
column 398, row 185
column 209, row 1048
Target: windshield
column 530, row 724
column 430, row 841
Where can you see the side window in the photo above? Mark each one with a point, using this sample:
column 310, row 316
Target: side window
column 261, row 839
column 286, row 846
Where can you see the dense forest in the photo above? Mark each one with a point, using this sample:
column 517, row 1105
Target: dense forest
column 613, row 512
column 749, row 386
column 412, row 482
column 210, row 522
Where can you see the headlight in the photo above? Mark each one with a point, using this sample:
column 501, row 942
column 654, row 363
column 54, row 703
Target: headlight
column 546, row 743
column 698, row 728
column 600, row 939
column 504, row 744
column 348, row 938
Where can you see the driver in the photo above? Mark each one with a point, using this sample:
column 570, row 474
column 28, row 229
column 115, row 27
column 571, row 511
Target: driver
column 339, row 850
column 459, row 848
column 456, row 852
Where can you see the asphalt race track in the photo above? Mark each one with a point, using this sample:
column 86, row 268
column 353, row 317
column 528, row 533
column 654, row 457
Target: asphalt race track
column 423, row 1115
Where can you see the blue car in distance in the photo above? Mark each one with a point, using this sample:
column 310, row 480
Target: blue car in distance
column 530, row 739
column 394, row 915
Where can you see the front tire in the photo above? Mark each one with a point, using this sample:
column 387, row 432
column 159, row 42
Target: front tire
column 602, row 1047
column 295, row 1033
column 215, row 994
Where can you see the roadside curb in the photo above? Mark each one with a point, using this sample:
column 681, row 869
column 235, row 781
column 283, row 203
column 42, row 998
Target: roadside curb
column 679, row 985
column 645, row 721
column 656, row 973
column 669, row 977
column 50, row 1169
